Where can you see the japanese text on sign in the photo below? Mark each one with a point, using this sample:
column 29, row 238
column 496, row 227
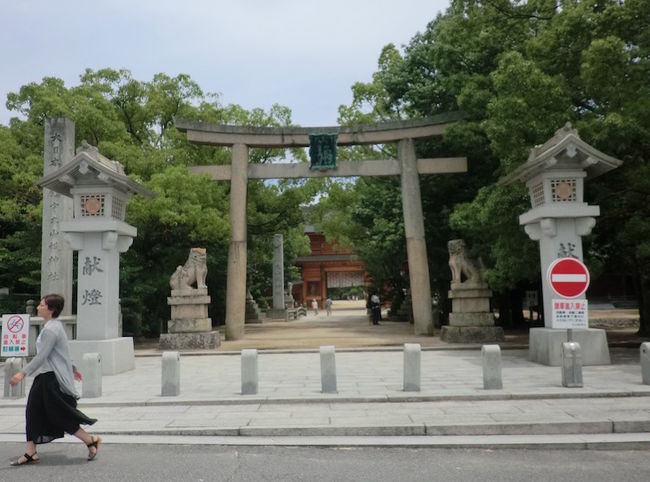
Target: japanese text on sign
column 570, row 314
column 15, row 335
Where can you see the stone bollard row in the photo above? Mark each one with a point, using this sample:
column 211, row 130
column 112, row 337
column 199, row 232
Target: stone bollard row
column 571, row 365
column 490, row 354
column 13, row 366
column 249, row 378
column 645, row 363
column 91, row 370
column 491, row 357
column 171, row 374
column 328, row 369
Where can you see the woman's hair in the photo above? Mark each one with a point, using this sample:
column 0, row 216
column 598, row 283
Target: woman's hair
column 55, row 303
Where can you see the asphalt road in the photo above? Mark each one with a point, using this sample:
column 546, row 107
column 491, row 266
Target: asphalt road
column 66, row 462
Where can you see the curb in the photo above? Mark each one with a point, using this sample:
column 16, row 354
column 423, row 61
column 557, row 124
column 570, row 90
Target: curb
column 488, row 442
column 619, row 430
column 252, row 400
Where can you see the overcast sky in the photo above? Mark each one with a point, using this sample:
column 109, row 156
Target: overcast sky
column 303, row 54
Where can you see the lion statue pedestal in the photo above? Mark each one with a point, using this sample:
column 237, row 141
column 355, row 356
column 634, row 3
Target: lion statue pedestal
column 471, row 320
column 253, row 314
column 189, row 326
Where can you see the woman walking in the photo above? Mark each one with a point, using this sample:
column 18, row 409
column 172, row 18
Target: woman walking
column 52, row 402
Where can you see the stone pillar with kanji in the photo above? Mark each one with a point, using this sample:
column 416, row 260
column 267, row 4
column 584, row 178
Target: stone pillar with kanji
column 100, row 190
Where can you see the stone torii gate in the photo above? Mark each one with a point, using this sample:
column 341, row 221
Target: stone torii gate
column 407, row 166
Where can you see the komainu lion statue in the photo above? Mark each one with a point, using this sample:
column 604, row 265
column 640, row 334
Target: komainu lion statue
column 193, row 271
column 461, row 264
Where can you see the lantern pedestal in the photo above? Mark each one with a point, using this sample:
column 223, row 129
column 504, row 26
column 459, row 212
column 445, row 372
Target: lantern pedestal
column 117, row 353
column 545, row 346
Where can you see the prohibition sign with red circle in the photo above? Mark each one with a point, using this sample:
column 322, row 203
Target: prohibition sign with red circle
column 568, row 277
column 15, row 323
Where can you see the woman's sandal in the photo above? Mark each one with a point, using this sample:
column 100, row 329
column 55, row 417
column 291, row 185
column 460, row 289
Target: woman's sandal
column 96, row 440
column 29, row 459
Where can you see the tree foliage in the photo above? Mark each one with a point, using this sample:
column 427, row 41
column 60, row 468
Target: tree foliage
column 519, row 70
column 132, row 122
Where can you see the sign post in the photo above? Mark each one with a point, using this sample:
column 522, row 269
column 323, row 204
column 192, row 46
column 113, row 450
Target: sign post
column 569, row 278
column 15, row 336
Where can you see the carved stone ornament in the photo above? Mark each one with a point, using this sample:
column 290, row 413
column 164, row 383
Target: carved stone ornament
column 463, row 268
column 194, row 271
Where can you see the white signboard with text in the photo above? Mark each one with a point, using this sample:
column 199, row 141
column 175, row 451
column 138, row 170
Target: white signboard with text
column 15, row 335
column 570, row 314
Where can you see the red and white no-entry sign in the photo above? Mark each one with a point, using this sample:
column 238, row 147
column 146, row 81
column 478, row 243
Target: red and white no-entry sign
column 568, row 277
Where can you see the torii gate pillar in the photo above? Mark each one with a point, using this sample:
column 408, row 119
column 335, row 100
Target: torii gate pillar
column 236, row 289
column 416, row 247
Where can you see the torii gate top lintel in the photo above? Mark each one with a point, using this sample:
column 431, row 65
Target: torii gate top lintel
column 228, row 135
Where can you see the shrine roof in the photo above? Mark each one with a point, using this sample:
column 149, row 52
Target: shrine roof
column 564, row 151
column 89, row 160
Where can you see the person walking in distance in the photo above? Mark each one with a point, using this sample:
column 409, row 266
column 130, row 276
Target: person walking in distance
column 314, row 306
column 328, row 306
column 375, row 308
column 52, row 401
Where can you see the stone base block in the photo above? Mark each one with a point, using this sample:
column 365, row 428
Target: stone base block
column 475, row 291
column 253, row 313
column 117, row 353
column 181, row 312
column 471, row 334
column 471, row 319
column 253, row 321
column 191, row 292
column 470, row 305
column 190, row 341
column 188, row 300
column 200, row 325
column 545, row 346
column 277, row 314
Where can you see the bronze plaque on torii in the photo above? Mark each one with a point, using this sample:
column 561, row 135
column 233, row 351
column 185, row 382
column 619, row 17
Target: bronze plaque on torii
column 322, row 151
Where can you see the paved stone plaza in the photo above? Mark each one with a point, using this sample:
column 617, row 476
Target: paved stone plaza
column 289, row 408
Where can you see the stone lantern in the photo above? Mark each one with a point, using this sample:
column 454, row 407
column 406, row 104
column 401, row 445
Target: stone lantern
column 100, row 191
column 554, row 174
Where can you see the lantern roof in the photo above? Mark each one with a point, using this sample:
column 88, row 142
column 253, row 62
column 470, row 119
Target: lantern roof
column 564, row 151
column 90, row 168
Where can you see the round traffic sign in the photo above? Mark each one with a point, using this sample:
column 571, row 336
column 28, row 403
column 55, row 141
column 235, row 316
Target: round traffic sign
column 15, row 323
column 568, row 277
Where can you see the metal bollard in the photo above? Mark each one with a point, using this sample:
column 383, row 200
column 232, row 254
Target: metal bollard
column 328, row 369
column 491, row 356
column 91, row 369
column 171, row 374
column 645, row 362
column 13, row 366
column 411, row 367
column 571, row 365
column 249, row 379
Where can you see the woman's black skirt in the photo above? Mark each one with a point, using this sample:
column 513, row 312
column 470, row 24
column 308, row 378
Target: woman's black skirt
column 50, row 412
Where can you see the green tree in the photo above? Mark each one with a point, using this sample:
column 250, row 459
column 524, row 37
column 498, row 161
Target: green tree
column 519, row 71
column 133, row 122
column 20, row 216
column 186, row 212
